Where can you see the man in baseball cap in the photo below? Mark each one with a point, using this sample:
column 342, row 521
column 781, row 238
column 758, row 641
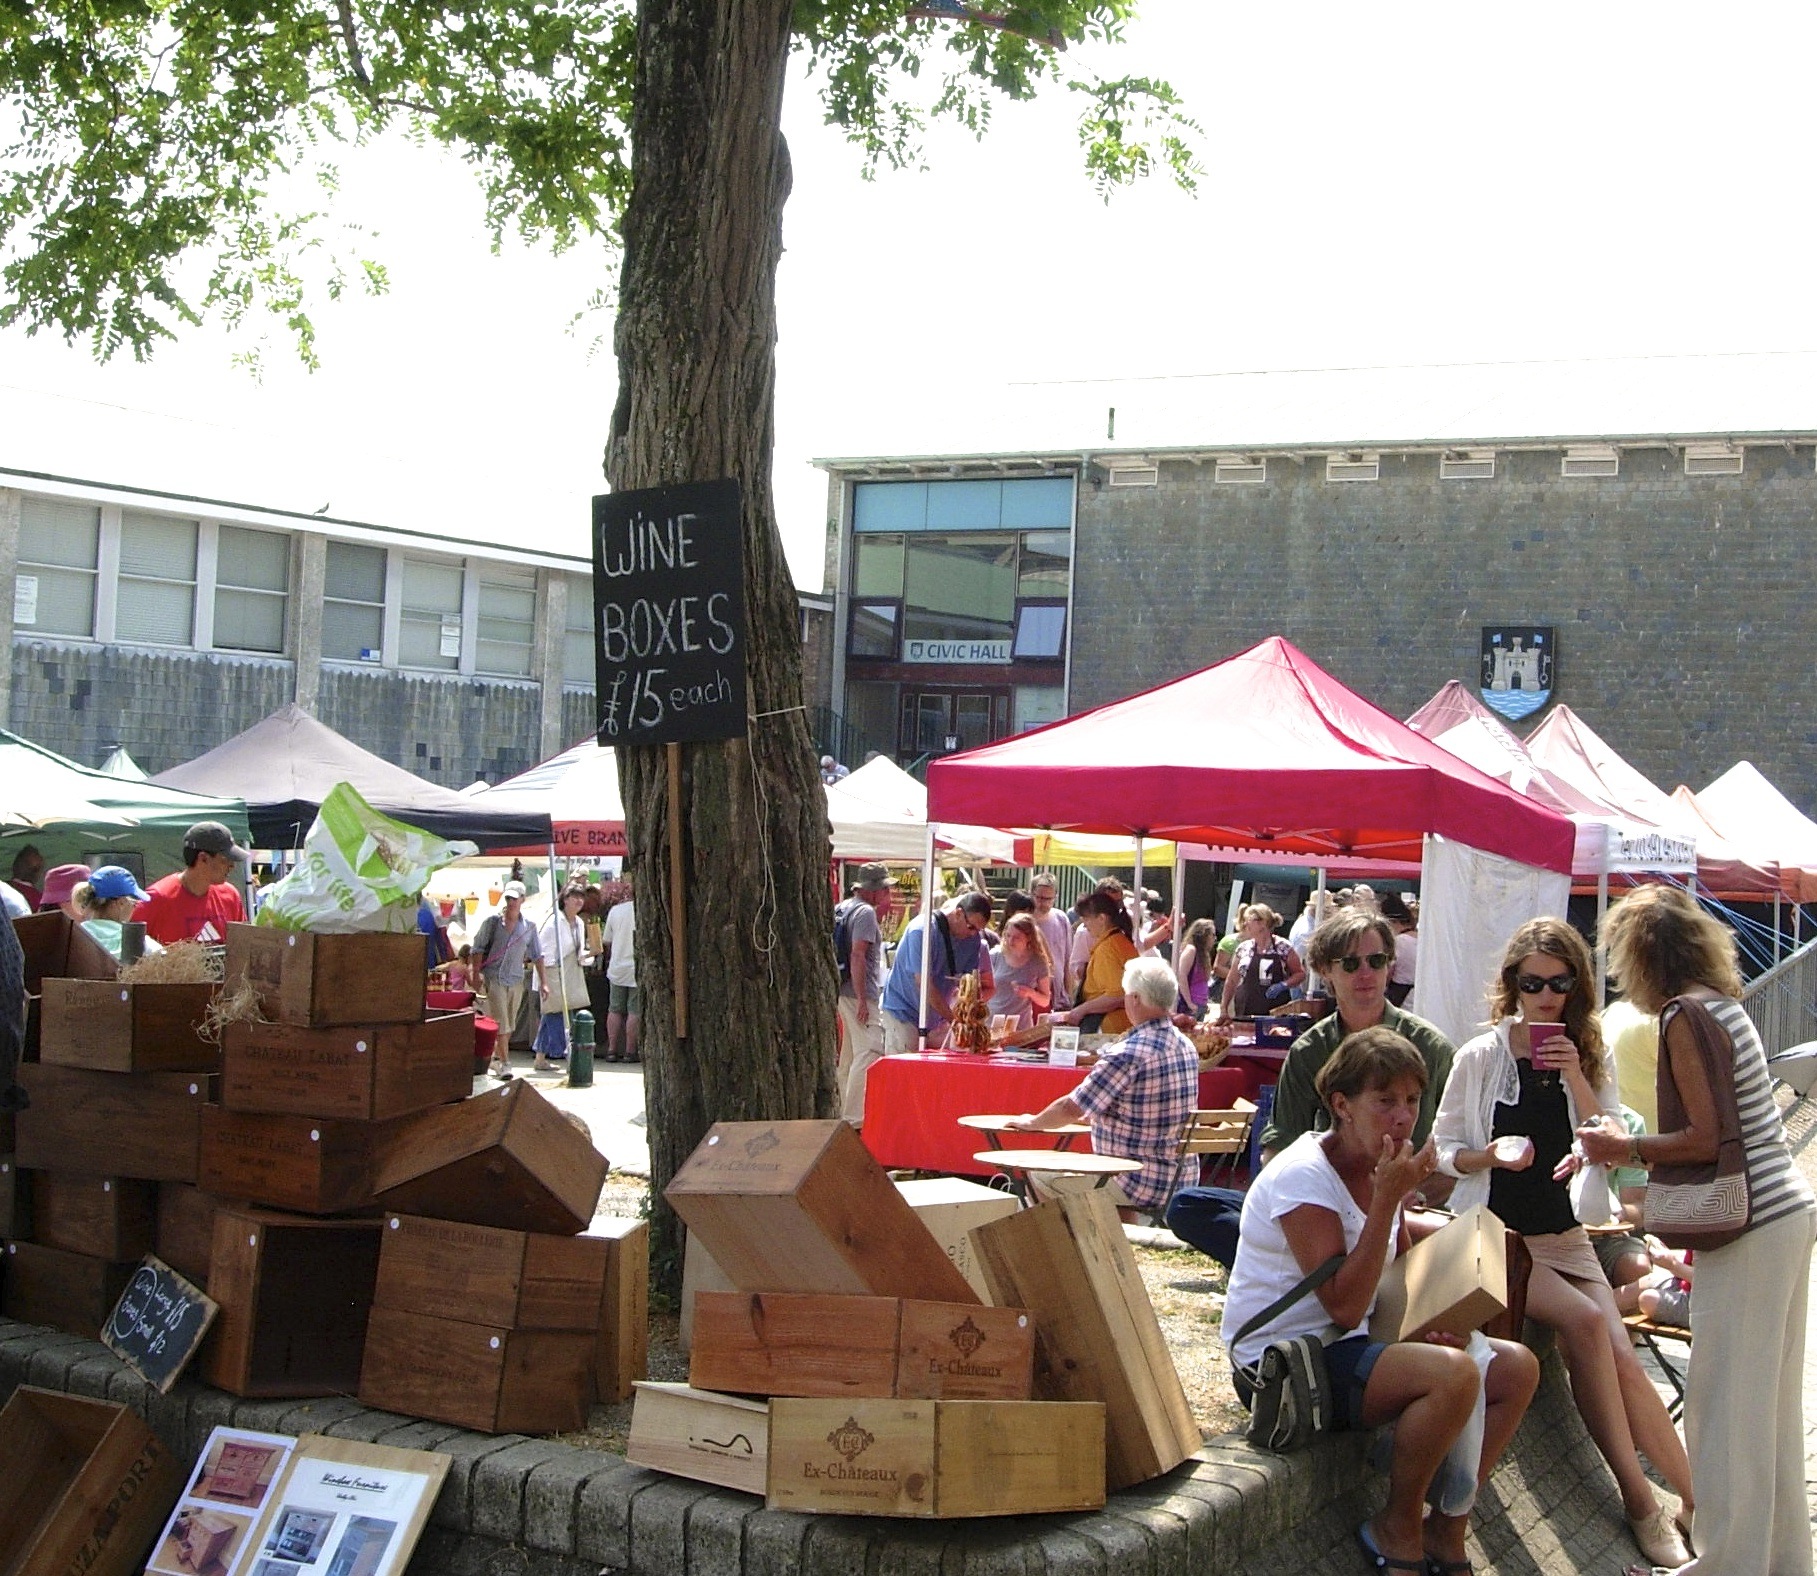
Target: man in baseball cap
column 197, row 903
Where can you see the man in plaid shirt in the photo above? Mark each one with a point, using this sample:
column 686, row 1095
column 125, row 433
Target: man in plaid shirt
column 1140, row 1093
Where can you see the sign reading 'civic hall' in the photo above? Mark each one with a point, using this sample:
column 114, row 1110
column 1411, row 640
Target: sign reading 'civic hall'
column 668, row 597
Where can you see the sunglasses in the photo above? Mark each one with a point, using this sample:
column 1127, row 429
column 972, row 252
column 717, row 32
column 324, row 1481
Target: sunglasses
column 1376, row 960
column 1533, row 984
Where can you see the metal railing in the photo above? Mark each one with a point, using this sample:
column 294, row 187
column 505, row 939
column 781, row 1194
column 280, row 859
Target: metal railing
column 846, row 742
column 1783, row 1001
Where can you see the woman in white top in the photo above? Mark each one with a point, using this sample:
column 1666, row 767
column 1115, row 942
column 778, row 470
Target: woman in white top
column 1505, row 1128
column 1339, row 1193
column 563, row 939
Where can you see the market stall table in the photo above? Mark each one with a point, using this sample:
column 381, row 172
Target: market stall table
column 1024, row 1166
column 994, row 1127
column 913, row 1105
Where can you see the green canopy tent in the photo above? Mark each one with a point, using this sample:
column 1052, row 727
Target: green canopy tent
column 76, row 815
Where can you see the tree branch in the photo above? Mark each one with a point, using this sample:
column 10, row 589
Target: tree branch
column 356, row 62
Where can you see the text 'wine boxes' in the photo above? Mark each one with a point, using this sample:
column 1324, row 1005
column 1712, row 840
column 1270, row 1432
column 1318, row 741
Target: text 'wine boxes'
column 184, row 1237
column 1455, row 1280
column 801, row 1344
column 363, row 1072
column 118, row 1028
column 319, row 980
column 288, row 1162
column 295, row 1295
column 73, row 1292
column 1096, row 1335
column 803, row 1206
column 113, row 1124
column 84, row 1486
column 504, row 1158
column 104, row 1217
column 874, row 1457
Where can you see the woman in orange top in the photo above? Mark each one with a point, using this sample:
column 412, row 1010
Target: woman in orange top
column 1107, row 922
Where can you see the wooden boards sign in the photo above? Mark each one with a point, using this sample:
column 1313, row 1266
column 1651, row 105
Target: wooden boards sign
column 158, row 1323
column 669, row 626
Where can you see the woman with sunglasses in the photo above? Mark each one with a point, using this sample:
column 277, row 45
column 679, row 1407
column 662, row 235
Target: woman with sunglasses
column 1505, row 1129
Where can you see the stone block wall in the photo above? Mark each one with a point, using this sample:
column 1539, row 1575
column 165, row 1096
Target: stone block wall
column 1681, row 603
column 446, row 729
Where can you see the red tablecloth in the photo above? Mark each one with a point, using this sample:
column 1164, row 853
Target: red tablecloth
column 912, row 1106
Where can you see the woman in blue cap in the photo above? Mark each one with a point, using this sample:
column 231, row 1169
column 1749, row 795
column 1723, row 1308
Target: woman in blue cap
column 105, row 901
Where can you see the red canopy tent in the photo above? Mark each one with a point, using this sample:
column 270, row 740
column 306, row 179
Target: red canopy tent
column 1264, row 752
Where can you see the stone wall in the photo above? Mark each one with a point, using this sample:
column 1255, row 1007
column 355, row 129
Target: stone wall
column 1680, row 602
column 448, row 730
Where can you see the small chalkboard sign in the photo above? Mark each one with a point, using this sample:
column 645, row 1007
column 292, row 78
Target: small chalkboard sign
column 669, row 627
column 158, row 1323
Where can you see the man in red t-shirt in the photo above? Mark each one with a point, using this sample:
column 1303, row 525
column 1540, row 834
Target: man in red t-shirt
column 196, row 904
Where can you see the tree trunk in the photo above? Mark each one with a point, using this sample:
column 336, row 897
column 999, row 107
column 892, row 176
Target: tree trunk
column 696, row 338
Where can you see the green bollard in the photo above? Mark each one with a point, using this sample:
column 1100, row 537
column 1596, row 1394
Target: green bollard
column 580, row 1050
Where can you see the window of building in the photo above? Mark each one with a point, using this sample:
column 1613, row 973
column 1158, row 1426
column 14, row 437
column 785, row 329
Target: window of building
column 1029, row 503
column 59, row 552
column 157, row 598
column 577, row 639
column 959, row 588
column 507, row 622
column 1040, row 630
column 875, row 628
column 429, row 632
column 353, row 609
column 252, row 589
column 877, row 566
column 1045, row 568
column 1039, row 704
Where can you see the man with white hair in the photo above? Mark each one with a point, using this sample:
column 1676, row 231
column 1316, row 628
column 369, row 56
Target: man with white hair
column 1138, row 1096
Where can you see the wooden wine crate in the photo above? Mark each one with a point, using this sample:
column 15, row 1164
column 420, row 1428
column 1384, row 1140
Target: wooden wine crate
column 295, row 1294
column 184, row 1237
column 145, row 1125
column 481, row 1376
column 67, row 1291
column 622, row 1353
column 103, row 1217
column 15, row 1199
column 355, row 1073
column 84, row 1486
column 118, row 1028
column 1096, row 1336
column 793, row 1344
column 803, row 1206
column 56, row 947
column 503, row 1158
column 514, row 1279
column 874, row 1457
column 286, row 1162
column 319, row 981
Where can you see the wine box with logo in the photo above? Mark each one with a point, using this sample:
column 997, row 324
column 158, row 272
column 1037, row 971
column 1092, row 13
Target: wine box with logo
column 318, row 980
column 118, row 1028
column 356, row 1072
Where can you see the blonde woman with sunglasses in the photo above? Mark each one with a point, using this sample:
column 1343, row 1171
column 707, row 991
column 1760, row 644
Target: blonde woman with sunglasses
column 1505, row 1129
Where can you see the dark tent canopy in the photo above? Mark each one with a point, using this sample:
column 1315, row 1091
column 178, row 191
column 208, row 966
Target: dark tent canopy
column 284, row 766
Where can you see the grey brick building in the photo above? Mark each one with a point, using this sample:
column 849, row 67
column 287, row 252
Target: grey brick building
column 1676, row 568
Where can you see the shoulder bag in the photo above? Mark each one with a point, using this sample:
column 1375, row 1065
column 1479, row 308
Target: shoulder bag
column 1705, row 1204
column 1289, row 1385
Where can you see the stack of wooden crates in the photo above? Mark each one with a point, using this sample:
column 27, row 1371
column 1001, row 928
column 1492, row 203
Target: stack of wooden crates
column 853, row 1369
column 367, row 1224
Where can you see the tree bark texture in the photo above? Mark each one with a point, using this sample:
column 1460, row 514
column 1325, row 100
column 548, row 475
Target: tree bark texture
column 696, row 338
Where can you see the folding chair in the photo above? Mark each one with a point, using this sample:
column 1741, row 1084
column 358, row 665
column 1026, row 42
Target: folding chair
column 1650, row 1335
column 1224, row 1134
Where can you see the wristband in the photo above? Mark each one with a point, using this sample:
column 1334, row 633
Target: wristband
column 1634, row 1155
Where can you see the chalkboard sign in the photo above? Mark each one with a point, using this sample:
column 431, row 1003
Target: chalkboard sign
column 158, row 1323
column 668, row 598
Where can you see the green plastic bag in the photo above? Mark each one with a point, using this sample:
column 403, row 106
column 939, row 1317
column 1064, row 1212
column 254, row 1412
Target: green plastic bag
column 360, row 871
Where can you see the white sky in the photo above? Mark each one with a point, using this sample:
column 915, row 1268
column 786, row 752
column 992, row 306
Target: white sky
column 1406, row 184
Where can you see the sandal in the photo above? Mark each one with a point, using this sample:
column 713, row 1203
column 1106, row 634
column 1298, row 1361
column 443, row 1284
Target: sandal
column 1437, row 1567
column 1365, row 1539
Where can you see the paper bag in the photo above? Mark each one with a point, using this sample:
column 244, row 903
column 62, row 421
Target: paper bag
column 1456, row 1280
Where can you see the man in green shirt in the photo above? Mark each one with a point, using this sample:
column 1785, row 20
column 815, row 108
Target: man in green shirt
column 1354, row 950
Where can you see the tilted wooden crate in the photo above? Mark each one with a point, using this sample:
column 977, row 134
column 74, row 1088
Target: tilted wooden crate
column 319, row 980
column 113, row 1124
column 1096, row 1335
column 303, row 1163
column 803, row 1344
column 295, row 1294
column 622, row 1354
column 361, row 1072
column 803, row 1206
column 503, row 1158
column 185, row 1232
column 119, row 1028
